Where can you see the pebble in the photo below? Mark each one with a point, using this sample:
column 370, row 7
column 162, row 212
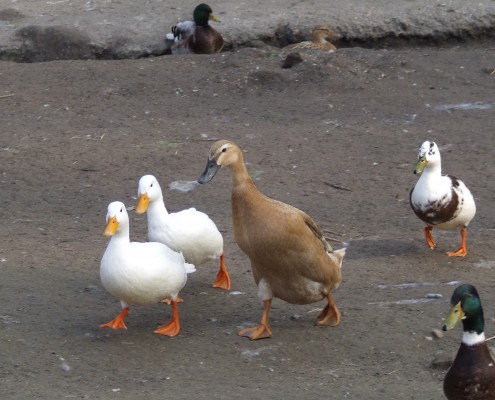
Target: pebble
column 437, row 333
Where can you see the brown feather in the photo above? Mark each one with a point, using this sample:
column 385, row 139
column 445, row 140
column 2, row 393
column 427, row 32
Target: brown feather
column 472, row 375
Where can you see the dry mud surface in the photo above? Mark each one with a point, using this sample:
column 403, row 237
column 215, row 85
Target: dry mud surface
column 336, row 136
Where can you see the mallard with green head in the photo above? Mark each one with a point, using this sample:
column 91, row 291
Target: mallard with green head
column 472, row 375
column 196, row 36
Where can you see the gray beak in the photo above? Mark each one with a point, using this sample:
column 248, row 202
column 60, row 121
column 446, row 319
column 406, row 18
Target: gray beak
column 211, row 169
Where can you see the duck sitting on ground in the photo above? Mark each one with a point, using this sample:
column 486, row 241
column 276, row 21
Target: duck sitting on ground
column 140, row 273
column 321, row 40
column 472, row 375
column 289, row 255
column 190, row 232
column 196, row 36
column 442, row 201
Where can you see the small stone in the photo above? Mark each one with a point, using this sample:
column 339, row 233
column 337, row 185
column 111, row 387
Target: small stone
column 296, row 316
column 437, row 333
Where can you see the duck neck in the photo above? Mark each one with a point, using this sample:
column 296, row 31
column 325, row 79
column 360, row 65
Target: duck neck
column 434, row 168
column 321, row 39
column 473, row 338
column 240, row 176
column 474, row 328
column 157, row 211
column 120, row 238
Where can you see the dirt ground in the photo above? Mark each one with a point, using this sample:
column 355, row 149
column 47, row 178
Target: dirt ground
column 336, row 136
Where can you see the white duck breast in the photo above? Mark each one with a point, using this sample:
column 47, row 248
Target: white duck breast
column 443, row 202
column 140, row 273
column 190, row 232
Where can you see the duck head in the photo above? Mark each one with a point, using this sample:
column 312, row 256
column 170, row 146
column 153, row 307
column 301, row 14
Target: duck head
column 149, row 190
column 116, row 217
column 466, row 306
column 322, row 33
column 222, row 154
column 202, row 14
column 428, row 155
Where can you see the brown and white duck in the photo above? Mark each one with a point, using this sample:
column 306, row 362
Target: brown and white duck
column 196, row 36
column 442, row 201
column 321, row 36
column 290, row 258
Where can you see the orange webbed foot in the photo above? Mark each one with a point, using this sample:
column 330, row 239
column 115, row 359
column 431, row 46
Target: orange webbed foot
column 329, row 316
column 171, row 328
column 118, row 321
column 262, row 331
column 222, row 280
column 461, row 252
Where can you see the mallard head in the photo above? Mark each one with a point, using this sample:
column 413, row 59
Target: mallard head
column 428, row 154
column 202, row 14
column 466, row 306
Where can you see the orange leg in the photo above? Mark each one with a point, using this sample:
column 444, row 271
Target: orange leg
column 461, row 251
column 171, row 328
column 329, row 313
column 429, row 238
column 118, row 321
column 222, row 280
column 262, row 331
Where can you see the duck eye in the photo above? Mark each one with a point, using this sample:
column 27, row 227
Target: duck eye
column 224, row 149
column 151, row 185
column 121, row 210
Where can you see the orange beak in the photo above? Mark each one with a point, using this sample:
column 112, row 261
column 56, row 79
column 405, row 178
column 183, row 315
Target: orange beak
column 111, row 227
column 142, row 204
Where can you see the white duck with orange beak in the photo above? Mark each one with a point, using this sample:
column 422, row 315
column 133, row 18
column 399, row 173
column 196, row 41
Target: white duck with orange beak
column 140, row 273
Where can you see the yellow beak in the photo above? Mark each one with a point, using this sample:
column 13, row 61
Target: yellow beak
column 420, row 165
column 111, row 227
column 142, row 204
column 213, row 17
column 455, row 315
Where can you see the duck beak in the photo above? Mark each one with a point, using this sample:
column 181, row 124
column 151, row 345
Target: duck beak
column 455, row 315
column 142, row 204
column 211, row 169
column 420, row 165
column 111, row 227
column 213, row 17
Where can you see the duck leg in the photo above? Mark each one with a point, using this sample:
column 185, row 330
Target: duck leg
column 222, row 280
column 429, row 238
column 461, row 251
column 262, row 331
column 118, row 321
column 329, row 313
column 171, row 328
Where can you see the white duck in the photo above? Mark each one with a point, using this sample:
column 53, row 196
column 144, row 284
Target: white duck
column 140, row 273
column 442, row 201
column 189, row 231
